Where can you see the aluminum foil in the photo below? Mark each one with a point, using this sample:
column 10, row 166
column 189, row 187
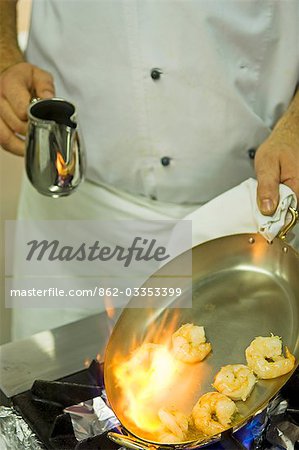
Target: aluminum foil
column 281, row 432
column 15, row 433
column 91, row 418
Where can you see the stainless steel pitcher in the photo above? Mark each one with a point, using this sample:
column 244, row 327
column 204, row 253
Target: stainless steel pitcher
column 55, row 163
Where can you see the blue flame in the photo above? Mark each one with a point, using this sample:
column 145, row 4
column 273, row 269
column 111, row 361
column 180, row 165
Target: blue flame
column 247, row 435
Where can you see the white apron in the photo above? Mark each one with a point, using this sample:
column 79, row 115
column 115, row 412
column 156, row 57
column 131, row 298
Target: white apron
column 90, row 202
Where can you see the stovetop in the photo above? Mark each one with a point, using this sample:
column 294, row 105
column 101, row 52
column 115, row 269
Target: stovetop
column 42, row 408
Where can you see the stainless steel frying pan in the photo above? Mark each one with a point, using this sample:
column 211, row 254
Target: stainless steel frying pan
column 243, row 287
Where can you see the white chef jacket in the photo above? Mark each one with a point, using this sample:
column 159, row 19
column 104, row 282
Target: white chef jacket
column 171, row 94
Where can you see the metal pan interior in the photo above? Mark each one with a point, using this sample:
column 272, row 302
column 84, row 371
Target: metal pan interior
column 242, row 287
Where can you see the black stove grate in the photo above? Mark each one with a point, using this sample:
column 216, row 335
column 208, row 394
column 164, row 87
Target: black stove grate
column 42, row 408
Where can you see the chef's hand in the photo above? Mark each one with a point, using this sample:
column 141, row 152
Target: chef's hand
column 18, row 84
column 277, row 160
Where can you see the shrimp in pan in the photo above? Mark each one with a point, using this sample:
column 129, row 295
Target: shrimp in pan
column 236, row 381
column 175, row 425
column 213, row 413
column 189, row 343
column 169, row 438
column 265, row 357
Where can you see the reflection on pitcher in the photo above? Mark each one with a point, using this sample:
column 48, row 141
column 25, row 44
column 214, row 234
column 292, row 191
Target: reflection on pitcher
column 65, row 171
column 55, row 162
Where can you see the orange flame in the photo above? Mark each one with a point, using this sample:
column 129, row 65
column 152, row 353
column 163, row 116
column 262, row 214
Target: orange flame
column 63, row 168
column 143, row 383
column 151, row 378
column 109, row 307
column 87, row 362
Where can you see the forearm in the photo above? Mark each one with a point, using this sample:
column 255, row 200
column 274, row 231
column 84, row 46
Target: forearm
column 289, row 122
column 10, row 52
column 277, row 159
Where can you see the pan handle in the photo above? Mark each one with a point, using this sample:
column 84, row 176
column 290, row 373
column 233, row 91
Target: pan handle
column 130, row 442
column 136, row 444
column 286, row 228
column 228, row 441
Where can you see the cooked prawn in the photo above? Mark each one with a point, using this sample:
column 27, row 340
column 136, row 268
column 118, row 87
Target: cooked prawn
column 236, row 381
column 265, row 357
column 168, row 438
column 213, row 413
column 175, row 425
column 189, row 343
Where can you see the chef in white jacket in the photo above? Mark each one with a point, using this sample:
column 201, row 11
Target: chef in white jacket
column 174, row 98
